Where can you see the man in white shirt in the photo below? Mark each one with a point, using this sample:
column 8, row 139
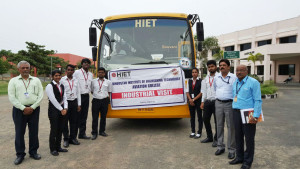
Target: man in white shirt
column 74, row 105
column 101, row 89
column 208, row 102
column 223, row 85
column 85, row 79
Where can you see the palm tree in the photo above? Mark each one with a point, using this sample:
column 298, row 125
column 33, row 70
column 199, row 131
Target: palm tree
column 254, row 58
column 219, row 55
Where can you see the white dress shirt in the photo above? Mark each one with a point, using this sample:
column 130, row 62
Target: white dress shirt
column 84, row 78
column 101, row 89
column 223, row 86
column 72, row 89
column 51, row 96
column 207, row 88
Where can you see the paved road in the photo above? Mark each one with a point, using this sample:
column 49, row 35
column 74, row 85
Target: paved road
column 162, row 143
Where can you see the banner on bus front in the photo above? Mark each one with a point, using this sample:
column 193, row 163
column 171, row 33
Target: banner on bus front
column 147, row 87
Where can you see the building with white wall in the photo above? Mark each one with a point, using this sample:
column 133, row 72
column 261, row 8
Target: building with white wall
column 278, row 42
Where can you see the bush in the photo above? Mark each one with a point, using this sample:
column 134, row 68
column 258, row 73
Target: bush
column 268, row 87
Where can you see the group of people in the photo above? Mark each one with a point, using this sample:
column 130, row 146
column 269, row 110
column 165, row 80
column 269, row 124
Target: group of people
column 223, row 95
column 67, row 111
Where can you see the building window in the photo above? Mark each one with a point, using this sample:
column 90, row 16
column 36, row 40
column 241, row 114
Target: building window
column 288, row 69
column 289, row 39
column 249, row 69
column 260, row 70
column 264, row 42
column 245, row 46
column 229, row 48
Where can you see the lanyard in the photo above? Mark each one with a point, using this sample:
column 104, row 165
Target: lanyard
column 224, row 80
column 237, row 91
column 70, row 84
column 194, row 84
column 60, row 90
column 101, row 84
column 25, row 85
column 85, row 78
column 210, row 83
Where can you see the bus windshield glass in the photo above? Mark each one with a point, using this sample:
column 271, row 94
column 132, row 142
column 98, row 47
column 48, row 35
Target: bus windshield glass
column 146, row 41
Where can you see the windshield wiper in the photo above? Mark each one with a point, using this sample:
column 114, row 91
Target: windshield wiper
column 151, row 62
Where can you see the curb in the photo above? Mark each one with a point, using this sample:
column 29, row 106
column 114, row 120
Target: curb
column 269, row 96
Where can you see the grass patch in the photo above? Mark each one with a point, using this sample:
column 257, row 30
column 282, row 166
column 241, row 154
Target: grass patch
column 3, row 87
column 268, row 87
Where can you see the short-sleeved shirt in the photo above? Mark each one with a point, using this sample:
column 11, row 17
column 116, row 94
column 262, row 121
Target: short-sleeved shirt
column 101, row 89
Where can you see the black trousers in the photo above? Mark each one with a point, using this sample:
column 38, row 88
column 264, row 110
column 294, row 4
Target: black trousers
column 21, row 121
column 85, row 100
column 193, row 110
column 72, row 119
column 241, row 131
column 99, row 105
column 57, row 123
column 209, row 109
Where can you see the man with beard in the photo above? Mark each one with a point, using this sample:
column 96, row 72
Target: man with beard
column 208, row 102
column 74, row 105
column 85, row 79
column 223, row 87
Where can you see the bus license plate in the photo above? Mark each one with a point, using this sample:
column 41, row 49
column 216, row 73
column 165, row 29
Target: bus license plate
column 145, row 110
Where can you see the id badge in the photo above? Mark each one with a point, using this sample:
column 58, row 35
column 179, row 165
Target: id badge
column 192, row 96
column 99, row 91
column 26, row 95
column 72, row 94
column 235, row 99
column 86, row 86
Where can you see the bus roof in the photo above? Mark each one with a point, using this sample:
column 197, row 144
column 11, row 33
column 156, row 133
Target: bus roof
column 137, row 15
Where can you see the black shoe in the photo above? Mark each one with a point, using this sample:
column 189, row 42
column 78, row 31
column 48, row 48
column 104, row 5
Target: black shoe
column 94, row 137
column 197, row 136
column 219, row 152
column 84, row 137
column 18, row 160
column 62, row 150
column 192, row 135
column 235, row 161
column 245, row 166
column 231, row 155
column 54, row 153
column 66, row 144
column 214, row 144
column 103, row 134
column 36, row 156
column 74, row 141
column 207, row 140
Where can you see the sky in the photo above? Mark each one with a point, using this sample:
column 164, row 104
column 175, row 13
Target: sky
column 62, row 25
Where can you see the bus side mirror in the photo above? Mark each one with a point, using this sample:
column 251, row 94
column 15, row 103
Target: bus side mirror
column 200, row 31
column 93, row 36
column 94, row 53
column 200, row 35
column 199, row 46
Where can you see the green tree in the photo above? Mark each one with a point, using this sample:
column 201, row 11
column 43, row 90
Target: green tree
column 254, row 58
column 4, row 67
column 209, row 44
column 219, row 54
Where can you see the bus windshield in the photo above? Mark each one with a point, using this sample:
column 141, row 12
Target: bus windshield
column 146, row 41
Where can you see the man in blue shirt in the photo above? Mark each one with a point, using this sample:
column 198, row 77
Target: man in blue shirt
column 247, row 94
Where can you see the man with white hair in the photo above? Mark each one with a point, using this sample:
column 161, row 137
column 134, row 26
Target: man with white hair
column 25, row 93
